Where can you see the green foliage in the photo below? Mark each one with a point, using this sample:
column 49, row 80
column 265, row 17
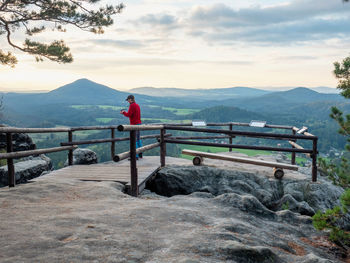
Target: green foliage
column 3, row 161
column 329, row 220
column 339, row 172
column 285, row 206
column 56, row 13
column 342, row 72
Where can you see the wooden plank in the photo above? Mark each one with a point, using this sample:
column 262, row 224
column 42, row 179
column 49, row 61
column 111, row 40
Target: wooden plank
column 112, row 172
column 240, row 159
column 295, row 145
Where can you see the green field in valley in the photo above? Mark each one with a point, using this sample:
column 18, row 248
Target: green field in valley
column 83, row 107
column 176, row 111
column 181, row 111
column 104, row 120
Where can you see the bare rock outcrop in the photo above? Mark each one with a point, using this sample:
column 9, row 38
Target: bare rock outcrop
column 27, row 169
column 21, row 142
column 204, row 214
column 83, row 156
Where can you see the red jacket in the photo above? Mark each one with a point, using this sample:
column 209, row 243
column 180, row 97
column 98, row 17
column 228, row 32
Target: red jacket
column 134, row 114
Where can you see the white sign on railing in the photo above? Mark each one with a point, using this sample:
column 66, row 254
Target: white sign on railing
column 199, row 123
column 259, row 124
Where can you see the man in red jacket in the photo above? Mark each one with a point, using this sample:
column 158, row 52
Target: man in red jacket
column 134, row 114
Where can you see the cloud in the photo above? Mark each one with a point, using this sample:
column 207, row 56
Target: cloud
column 297, row 32
column 129, row 44
column 161, row 21
column 296, row 22
column 223, row 16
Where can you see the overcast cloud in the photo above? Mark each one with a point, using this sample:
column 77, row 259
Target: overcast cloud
column 295, row 22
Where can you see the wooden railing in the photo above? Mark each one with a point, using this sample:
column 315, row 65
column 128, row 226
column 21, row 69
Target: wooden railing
column 163, row 139
column 297, row 134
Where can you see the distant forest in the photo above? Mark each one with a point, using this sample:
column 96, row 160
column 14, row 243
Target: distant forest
column 85, row 103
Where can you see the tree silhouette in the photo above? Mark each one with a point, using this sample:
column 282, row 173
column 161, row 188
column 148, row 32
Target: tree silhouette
column 35, row 16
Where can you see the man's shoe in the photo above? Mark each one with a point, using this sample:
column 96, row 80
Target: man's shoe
column 140, row 155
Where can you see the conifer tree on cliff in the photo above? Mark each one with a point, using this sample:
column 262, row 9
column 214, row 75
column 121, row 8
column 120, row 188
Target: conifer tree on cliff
column 339, row 172
column 36, row 16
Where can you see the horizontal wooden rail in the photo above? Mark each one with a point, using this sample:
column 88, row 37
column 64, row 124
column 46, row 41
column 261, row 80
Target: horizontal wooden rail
column 110, row 140
column 228, row 124
column 124, row 155
column 238, row 146
column 295, row 145
column 15, row 155
column 200, row 137
column 85, row 128
column 303, row 132
column 32, row 130
column 242, row 133
column 139, row 127
column 94, row 141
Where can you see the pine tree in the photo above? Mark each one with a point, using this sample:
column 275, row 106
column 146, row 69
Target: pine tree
column 36, row 16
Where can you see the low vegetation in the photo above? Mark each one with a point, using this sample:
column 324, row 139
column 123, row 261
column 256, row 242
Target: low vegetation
column 338, row 170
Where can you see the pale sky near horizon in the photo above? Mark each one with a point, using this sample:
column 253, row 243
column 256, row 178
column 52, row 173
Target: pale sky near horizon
column 199, row 44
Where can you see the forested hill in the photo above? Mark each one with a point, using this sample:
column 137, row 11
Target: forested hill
column 226, row 114
column 201, row 94
column 85, row 102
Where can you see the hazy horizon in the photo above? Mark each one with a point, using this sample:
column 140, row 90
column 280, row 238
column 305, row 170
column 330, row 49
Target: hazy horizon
column 4, row 90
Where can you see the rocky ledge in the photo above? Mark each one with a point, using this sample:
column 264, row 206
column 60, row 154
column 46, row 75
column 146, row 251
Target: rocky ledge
column 26, row 169
column 207, row 215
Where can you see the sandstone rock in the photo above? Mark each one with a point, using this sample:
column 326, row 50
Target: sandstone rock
column 220, row 219
column 243, row 253
column 21, row 142
column 247, row 203
column 304, row 196
column 27, row 169
column 288, row 202
column 83, row 156
column 311, row 258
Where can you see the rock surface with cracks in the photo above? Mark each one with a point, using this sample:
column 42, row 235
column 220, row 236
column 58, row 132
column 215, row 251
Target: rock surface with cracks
column 224, row 216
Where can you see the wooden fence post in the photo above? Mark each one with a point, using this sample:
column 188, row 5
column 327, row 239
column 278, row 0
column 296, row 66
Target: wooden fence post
column 133, row 167
column 230, row 139
column 293, row 153
column 314, row 160
column 162, row 148
column 113, row 143
column 70, row 152
column 10, row 166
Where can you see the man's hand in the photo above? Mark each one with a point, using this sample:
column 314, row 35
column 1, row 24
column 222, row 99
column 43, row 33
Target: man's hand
column 122, row 111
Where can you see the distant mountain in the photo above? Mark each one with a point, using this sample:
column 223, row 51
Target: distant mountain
column 283, row 101
column 201, row 94
column 326, row 90
column 82, row 91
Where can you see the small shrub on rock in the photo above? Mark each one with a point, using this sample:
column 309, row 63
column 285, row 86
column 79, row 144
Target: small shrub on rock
column 330, row 220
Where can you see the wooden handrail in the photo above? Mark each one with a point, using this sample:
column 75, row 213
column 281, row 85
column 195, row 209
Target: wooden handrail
column 110, row 140
column 264, row 148
column 124, row 155
column 242, row 133
column 295, row 145
column 32, row 130
column 15, row 155
column 85, row 128
column 200, row 137
column 141, row 127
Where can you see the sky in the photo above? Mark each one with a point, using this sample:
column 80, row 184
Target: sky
column 197, row 45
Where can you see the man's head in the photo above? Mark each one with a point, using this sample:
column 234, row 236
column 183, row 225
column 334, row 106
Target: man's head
column 130, row 98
